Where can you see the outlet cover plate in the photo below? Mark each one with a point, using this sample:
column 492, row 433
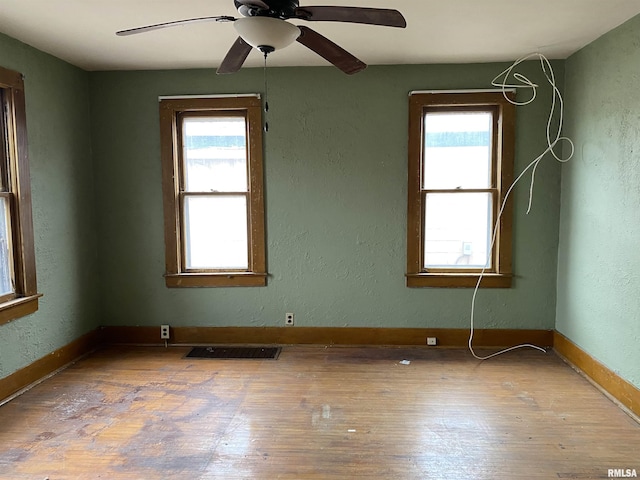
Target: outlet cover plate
column 164, row 332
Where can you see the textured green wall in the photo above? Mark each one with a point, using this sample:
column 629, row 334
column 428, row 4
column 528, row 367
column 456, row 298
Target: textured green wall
column 57, row 98
column 599, row 261
column 335, row 161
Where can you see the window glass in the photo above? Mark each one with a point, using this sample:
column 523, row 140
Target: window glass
column 215, row 154
column 6, row 250
column 216, row 232
column 457, row 150
column 457, row 230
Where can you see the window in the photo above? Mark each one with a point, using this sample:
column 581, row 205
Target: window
column 213, row 191
column 461, row 149
column 18, row 290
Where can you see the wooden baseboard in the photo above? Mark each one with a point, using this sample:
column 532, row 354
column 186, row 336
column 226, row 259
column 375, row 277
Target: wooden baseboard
column 326, row 336
column 453, row 338
column 47, row 365
column 623, row 391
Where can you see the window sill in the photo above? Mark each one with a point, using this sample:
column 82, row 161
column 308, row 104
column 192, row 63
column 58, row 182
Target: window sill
column 18, row 307
column 459, row 280
column 233, row 279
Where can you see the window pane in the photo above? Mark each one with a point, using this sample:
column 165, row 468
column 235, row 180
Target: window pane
column 215, row 154
column 457, row 230
column 6, row 257
column 457, row 150
column 216, row 232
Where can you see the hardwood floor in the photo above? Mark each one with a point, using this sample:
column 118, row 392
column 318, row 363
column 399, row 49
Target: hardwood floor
column 315, row 413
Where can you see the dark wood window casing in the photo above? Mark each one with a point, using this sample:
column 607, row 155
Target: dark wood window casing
column 173, row 111
column 21, row 297
column 499, row 272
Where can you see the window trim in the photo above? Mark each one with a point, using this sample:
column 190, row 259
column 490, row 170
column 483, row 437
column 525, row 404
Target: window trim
column 419, row 103
column 171, row 110
column 25, row 300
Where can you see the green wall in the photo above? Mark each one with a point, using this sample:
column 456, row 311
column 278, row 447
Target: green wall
column 57, row 98
column 599, row 262
column 335, row 161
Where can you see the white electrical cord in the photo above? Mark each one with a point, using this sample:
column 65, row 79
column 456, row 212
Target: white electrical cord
column 552, row 141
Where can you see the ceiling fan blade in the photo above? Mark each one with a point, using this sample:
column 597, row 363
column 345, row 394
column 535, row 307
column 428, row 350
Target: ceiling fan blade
column 330, row 51
column 235, row 57
column 158, row 26
column 253, row 3
column 369, row 16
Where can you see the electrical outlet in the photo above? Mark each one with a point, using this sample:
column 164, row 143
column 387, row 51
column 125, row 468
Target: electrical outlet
column 288, row 319
column 432, row 341
column 164, row 332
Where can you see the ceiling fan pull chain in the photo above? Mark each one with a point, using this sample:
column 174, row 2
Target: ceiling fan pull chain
column 266, row 94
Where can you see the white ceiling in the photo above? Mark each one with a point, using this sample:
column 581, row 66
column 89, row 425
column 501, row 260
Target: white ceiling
column 82, row 32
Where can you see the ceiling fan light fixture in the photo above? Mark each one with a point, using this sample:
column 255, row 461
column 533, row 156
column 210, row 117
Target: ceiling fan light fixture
column 260, row 32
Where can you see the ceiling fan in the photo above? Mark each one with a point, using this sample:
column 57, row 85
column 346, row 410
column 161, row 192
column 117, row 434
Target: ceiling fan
column 264, row 26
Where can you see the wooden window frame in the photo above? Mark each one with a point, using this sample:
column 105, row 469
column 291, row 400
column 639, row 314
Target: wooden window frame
column 16, row 165
column 500, row 275
column 171, row 112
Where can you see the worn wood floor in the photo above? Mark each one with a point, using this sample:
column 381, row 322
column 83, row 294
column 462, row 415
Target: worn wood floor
column 315, row 413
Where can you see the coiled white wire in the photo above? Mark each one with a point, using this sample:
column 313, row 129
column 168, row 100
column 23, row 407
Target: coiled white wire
column 553, row 139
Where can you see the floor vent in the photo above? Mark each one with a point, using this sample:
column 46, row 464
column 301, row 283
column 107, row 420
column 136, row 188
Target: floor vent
column 235, row 352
